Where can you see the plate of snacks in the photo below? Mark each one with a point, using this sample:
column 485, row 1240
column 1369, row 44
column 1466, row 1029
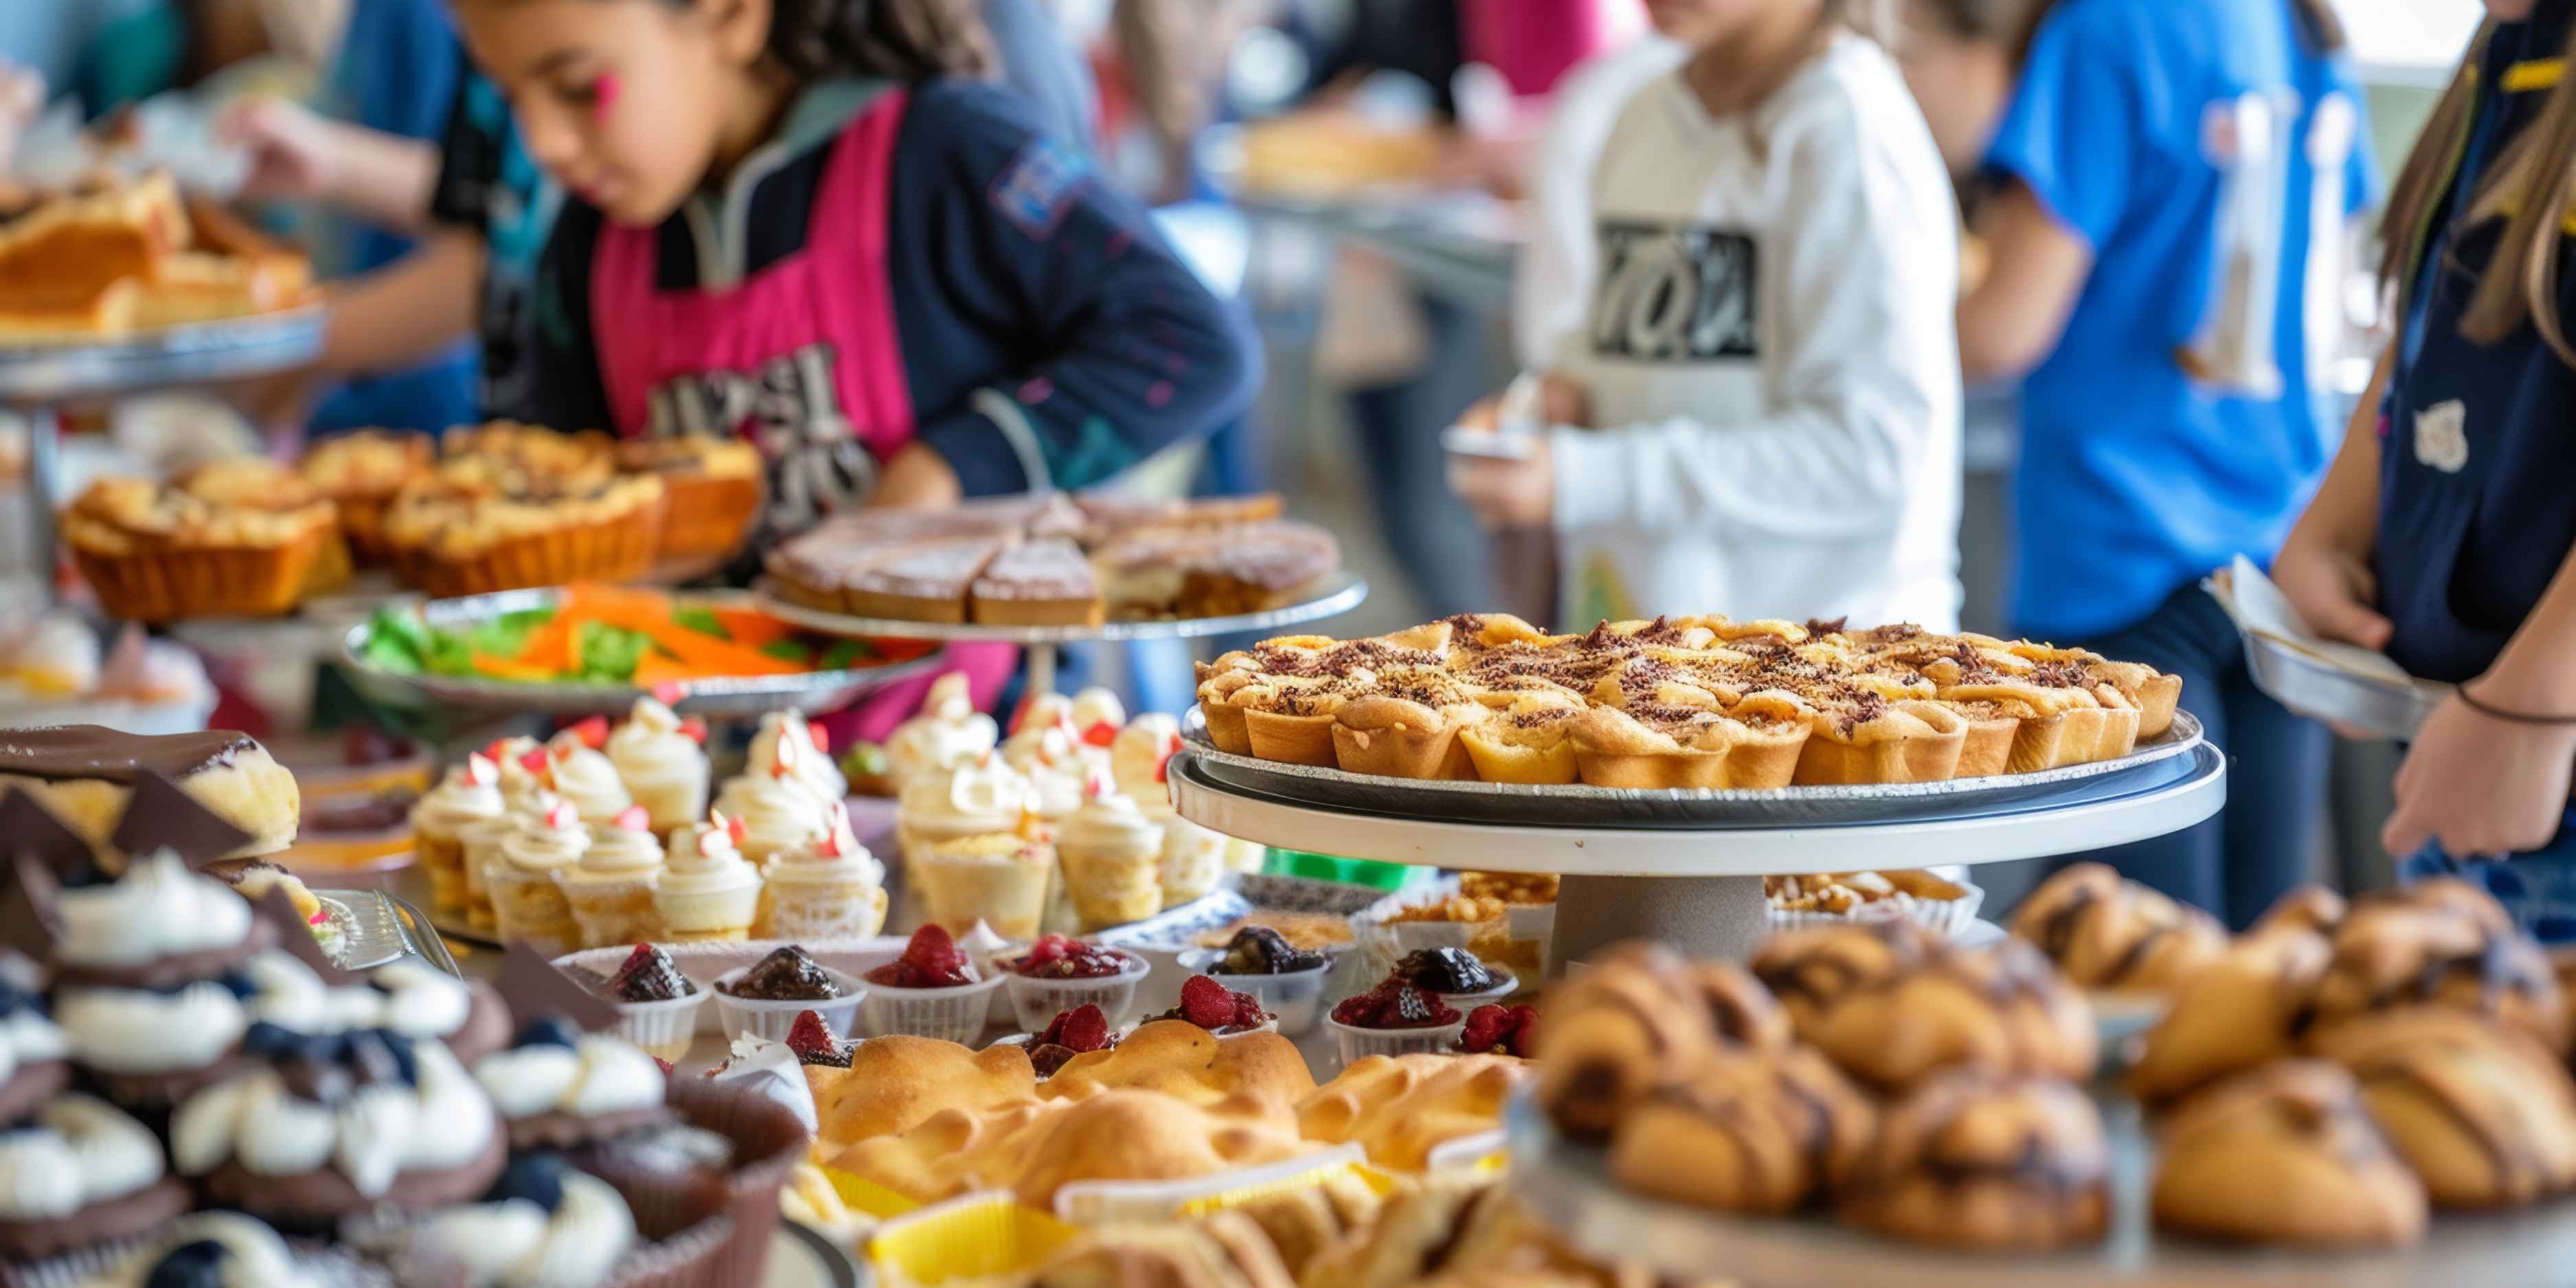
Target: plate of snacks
column 1936, row 901
column 1506, row 918
column 596, row 649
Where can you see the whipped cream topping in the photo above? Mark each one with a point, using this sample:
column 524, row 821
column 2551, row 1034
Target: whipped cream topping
column 1057, row 747
column 518, row 781
column 549, row 835
column 1041, row 711
column 1097, row 713
column 469, row 794
column 27, row 1036
column 832, row 853
column 982, row 943
column 785, row 741
column 126, row 1031
column 586, row 778
column 777, row 810
column 948, row 732
column 55, row 655
column 1110, row 823
column 158, row 909
column 600, row 1074
column 1137, row 754
column 376, row 1132
column 981, row 796
column 407, row 997
column 76, row 1152
column 618, row 853
column 253, row 1255
column 518, row 1243
column 651, row 747
column 704, row 860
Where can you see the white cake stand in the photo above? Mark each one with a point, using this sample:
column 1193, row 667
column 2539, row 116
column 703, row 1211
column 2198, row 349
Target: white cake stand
column 1697, row 885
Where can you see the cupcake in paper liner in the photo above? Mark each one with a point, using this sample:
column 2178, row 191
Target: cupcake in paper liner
column 777, row 805
column 544, row 1224
column 1112, row 858
column 470, row 795
column 78, row 1175
column 611, row 891
column 526, row 900
column 222, row 1248
column 1000, row 879
column 708, row 892
column 730, row 1139
column 949, row 732
column 827, row 886
column 787, row 737
column 664, row 762
column 584, row 775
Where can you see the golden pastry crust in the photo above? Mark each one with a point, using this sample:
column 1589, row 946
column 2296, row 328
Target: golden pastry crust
column 1408, row 726
column 1639, row 1021
column 2115, row 936
column 1143, row 1136
column 453, row 541
column 1182, row 1060
column 716, row 487
column 1891, row 1002
column 1529, row 738
column 2310, row 908
column 1758, row 1132
column 2444, row 944
column 1402, row 1108
column 117, row 255
column 1977, row 1159
column 2285, row 1154
column 1224, row 1250
column 2484, row 1114
column 1755, row 747
column 2243, row 1010
column 156, row 554
column 894, row 1083
column 950, row 1153
column 1446, row 1226
column 1304, row 1221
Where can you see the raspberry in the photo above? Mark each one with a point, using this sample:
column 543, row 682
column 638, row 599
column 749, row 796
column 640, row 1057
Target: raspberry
column 1085, row 1029
column 1488, row 1026
column 810, row 1036
column 822, row 737
column 1100, row 734
column 592, row 732
column 930, row 960
column 1206, row 1003
column 634, row 818
column 1525, row 1032
column 1248, row 1013
column 1353, row 1010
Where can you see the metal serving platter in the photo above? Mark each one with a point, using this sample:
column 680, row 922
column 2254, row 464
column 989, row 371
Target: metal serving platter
column 1568, row 1185
column 2313, row 686
column 1336, row 594
column 739, row 696
column 1579, row 805
column 57, row 369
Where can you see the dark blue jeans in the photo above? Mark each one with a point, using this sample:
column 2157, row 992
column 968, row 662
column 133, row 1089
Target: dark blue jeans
column 2538, row 888
column 2236, row 864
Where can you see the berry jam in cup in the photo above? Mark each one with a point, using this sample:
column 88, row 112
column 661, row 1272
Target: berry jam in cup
column 1395, row 1018
column 932, row 990
column 1059, row 974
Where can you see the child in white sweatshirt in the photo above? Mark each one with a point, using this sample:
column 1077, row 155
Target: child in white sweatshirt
column 1767, row 368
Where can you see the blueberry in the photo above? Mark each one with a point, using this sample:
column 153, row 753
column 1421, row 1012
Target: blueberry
column 190, row 1265
column 536, row 1177
column 379, row 1059
column 237, row 983
column 553, row 1030
column 86, row 876
column 272, row 1041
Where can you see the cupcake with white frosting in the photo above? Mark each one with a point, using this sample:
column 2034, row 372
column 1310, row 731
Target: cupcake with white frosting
column 580, row 773
column 610, row 891
column 1137, row 757
column 1111, row 857
column 1057, row 766
column 557, row 1087
column 550, row 838
column 524, row 771
column 544, row 1224
column 982, row 797
column 825, row 887
column 788, row 738
column 225, row 1248
column 80, row 1174
column 775, row 799
column 948, row 733
column 1098, row 715
column 1194, row 859
column 469, row 796
column 147, row 977
column 707, row 891
column 408, row 999
column 664, row 762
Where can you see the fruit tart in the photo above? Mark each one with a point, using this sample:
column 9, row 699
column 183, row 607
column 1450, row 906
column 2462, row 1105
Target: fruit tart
column 361, row 473
column 715, row 487
column 156, row 554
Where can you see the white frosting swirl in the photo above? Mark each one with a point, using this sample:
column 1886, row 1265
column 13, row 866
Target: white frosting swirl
column 1041, row 711
column 1094, row 707
column 28, row 1039
column 518, row 782
column 1056, row 747
column 786, row 739
column 617, row 855
column 517, row 1244
column 603, row 1074
column 586, row 778
column 982, row 796
column 120, row 1030
column 548, row 836
column 81, row 1151
column 651, row 750
column 948, row 733
column 1137, row 754
column 777, row 811
column 378, row 1132
column 405, row 997
column 158, row 909
column 254, row 1257
column 831, row 853
column 470, row 794
column 1110, row 823
column 56, row 655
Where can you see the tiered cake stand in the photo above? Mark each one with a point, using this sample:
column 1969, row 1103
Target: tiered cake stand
column 40, row 378
column 1337, row 594
column 1685, row 868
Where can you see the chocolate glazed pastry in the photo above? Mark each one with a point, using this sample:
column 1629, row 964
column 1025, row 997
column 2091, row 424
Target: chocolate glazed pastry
column 1641, row 1019
column 1891, row 1002
column 2483, row 1114
column 2113, row 935
column 1977, row 1159
column 87, row 775
column 1755, row 1132
column 2427, row 948
column 2239, row 1013
column 2285, row 1154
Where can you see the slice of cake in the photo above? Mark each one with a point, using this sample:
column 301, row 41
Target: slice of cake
column 1037, row 583
column 1216, row 572
column 927, row 581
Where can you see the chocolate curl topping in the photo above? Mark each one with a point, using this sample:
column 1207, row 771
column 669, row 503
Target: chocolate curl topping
column 161, row 816
column 30, row 831
column 535, row 989
column 296, row 936
column 26, row 906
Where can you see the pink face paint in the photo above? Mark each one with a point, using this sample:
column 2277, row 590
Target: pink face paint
column 603, row 96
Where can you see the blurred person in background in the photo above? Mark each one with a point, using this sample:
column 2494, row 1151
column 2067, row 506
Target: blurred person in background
column 2443, row 535
column 2172, row 191
column 1760, row 411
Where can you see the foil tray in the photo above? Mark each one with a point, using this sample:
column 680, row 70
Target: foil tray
column 2312, row 686
column 1580, row 805
column 1568, row 1185
column 1337, row 593
column 733, row 696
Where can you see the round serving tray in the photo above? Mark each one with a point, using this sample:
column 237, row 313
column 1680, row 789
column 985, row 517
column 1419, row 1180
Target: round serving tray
column 58, row 369
column 1339, row 593
column 2313, row 686
column 1568, row 1186
column 1577, row 805
column 2147, row 800
column 739, row 696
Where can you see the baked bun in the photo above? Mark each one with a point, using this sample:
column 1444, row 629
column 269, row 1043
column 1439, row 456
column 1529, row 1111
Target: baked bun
column 894, row 1083
column 2481, row 1112
column 1973, row 1158
column 950, row 1153
column 1304, row 1221
column 1226, row 1250
column 2443, row 943
column 1639, row 1020
column 1181, row 1059
column 2311, row 907
column 2115, row 936
column 1891, row 1001
column 1400, row 1108
column 1142, row 1136
column 2240, row 1012
column 1757, row 1132
column 2285, row 1154
column 1447, row 1226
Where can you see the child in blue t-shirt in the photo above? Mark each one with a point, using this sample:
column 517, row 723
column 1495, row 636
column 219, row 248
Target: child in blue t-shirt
column 2171, row 189
column 2445, row 530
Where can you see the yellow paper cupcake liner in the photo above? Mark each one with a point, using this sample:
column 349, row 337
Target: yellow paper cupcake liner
column 980, row 1236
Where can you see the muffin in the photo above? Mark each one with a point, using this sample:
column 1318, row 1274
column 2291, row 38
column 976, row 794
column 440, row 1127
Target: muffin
column 1975, row 1158
column 715, row 485
column 2285, row 1154
column 2110, row 935
column 707, row 890
column 663, row 760
column 360, row 473
column 825, row 887
column 2483, row 1113
column 610, row 893
column 1892, row 1002
column 160, row 555
column 1112, row 858
column 470, row 795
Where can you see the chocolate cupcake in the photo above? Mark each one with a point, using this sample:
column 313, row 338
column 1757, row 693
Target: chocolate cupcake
column 1973, row 1158
column 32, row 1067
column 80, row 1174
column 158, row 926
column 543, row 1224
column 324, row 1127
column 227, row 1248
